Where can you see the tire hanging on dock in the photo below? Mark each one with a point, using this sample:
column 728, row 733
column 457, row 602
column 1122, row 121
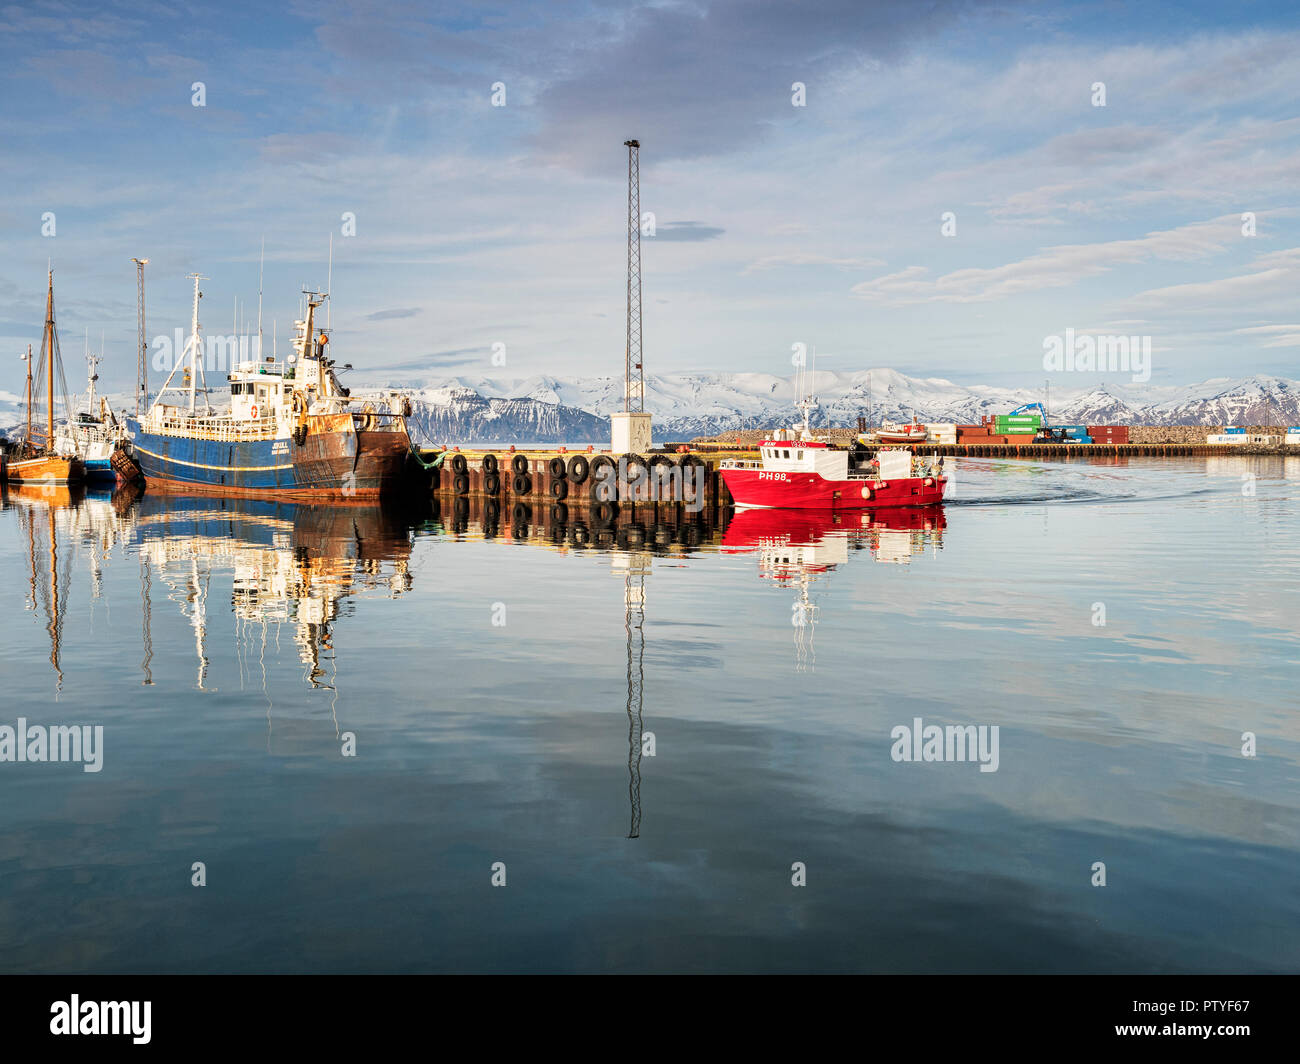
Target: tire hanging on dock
column 461, row 484
column 556, row 468
column 559, row 489
column 519, row 464
column 578, row 469
column 491, row 483
column 490, row 464
column 458, row 464
column 522, row 484
column 604, row 479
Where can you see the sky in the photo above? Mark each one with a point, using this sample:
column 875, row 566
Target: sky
column 823, row 224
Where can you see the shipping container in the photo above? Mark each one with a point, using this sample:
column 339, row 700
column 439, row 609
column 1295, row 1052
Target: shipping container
column 1234, row 430
column 1018, row 419
column 1227, row 437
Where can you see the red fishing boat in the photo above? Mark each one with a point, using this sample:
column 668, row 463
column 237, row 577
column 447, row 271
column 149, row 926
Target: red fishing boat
column 799, row 471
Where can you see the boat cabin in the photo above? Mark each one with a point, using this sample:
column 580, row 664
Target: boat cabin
column 260, row 390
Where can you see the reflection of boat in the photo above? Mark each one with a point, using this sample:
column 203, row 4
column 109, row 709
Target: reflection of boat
column 796, row 548
column 794, row 542
column 38, row 507
column 290, row 563
column 291, row 430
column 37, row 460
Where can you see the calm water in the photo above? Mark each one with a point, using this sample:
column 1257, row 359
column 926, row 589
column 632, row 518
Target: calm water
column 490, row 677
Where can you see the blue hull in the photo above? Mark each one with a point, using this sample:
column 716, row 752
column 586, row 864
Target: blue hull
column 100, row 471
column 249, row 465
column 329, row 461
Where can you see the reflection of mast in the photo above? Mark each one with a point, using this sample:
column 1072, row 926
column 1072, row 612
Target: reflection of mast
column 805, row 621
column 634, row 625
column 56, row 626
column 146, row 611
column 198, row 619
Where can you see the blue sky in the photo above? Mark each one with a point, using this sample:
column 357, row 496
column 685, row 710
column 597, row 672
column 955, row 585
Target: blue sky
column 777, row 224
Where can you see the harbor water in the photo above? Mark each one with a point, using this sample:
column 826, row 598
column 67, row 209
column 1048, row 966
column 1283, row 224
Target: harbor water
column 398, row 739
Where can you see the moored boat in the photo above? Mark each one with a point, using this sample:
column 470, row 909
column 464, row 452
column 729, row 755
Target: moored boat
column 36, row 460
column 291, row 429
column 798, row 470
column 900, row 434
column 93, row 433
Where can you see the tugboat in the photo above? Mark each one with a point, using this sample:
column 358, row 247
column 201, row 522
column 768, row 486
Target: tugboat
column 802, row 472
column 291, row 430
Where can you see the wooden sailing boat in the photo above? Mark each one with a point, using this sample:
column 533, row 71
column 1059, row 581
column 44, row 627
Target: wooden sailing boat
column 38, row 462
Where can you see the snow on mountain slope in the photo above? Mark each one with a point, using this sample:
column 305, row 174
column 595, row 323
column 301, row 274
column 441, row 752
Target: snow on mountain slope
column 687, row 405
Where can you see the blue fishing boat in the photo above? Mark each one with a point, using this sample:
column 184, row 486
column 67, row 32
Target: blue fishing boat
column 291, row 429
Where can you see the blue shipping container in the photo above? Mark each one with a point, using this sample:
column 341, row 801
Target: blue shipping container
column 1235, row 431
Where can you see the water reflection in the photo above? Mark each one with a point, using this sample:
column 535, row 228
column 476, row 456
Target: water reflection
column 290, row 564
column 796, row 548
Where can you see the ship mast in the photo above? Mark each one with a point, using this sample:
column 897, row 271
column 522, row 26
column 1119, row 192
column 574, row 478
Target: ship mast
column 27, row 440
column 49, row 366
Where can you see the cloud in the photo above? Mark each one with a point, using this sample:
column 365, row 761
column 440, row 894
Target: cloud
column 704, row 79
column 1055, row 267
column 388, row 315
column 686, row 232
column 772, row 262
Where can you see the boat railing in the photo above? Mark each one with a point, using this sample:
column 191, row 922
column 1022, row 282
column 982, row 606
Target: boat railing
column 220, row 429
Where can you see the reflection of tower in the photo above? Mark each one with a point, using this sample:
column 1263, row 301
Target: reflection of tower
column 804, row 619
column 636, row 567
column 146, row 618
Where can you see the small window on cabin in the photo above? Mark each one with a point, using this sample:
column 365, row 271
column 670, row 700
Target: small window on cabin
column 786, row 455
column 799, row 455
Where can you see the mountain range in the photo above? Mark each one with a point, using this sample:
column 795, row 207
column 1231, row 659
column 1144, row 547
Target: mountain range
column 547, row 409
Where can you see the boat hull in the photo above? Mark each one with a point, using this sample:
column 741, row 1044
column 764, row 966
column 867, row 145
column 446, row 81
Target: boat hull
column 47, row 469
column 334, row 459
column 808, row 491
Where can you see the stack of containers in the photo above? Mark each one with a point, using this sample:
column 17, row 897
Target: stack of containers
column 1293, row 435
column 943, row 432
column 1017, row 424
column 1078, row 433
column 1108, row 433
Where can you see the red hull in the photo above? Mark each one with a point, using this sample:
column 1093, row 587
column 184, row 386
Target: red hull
column 808, row 491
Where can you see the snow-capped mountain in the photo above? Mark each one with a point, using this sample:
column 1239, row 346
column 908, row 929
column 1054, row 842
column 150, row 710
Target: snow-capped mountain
column 548, row 409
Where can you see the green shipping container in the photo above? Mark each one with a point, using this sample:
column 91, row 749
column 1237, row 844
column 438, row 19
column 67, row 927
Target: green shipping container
column 1017, row 430
column 1018, row 419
